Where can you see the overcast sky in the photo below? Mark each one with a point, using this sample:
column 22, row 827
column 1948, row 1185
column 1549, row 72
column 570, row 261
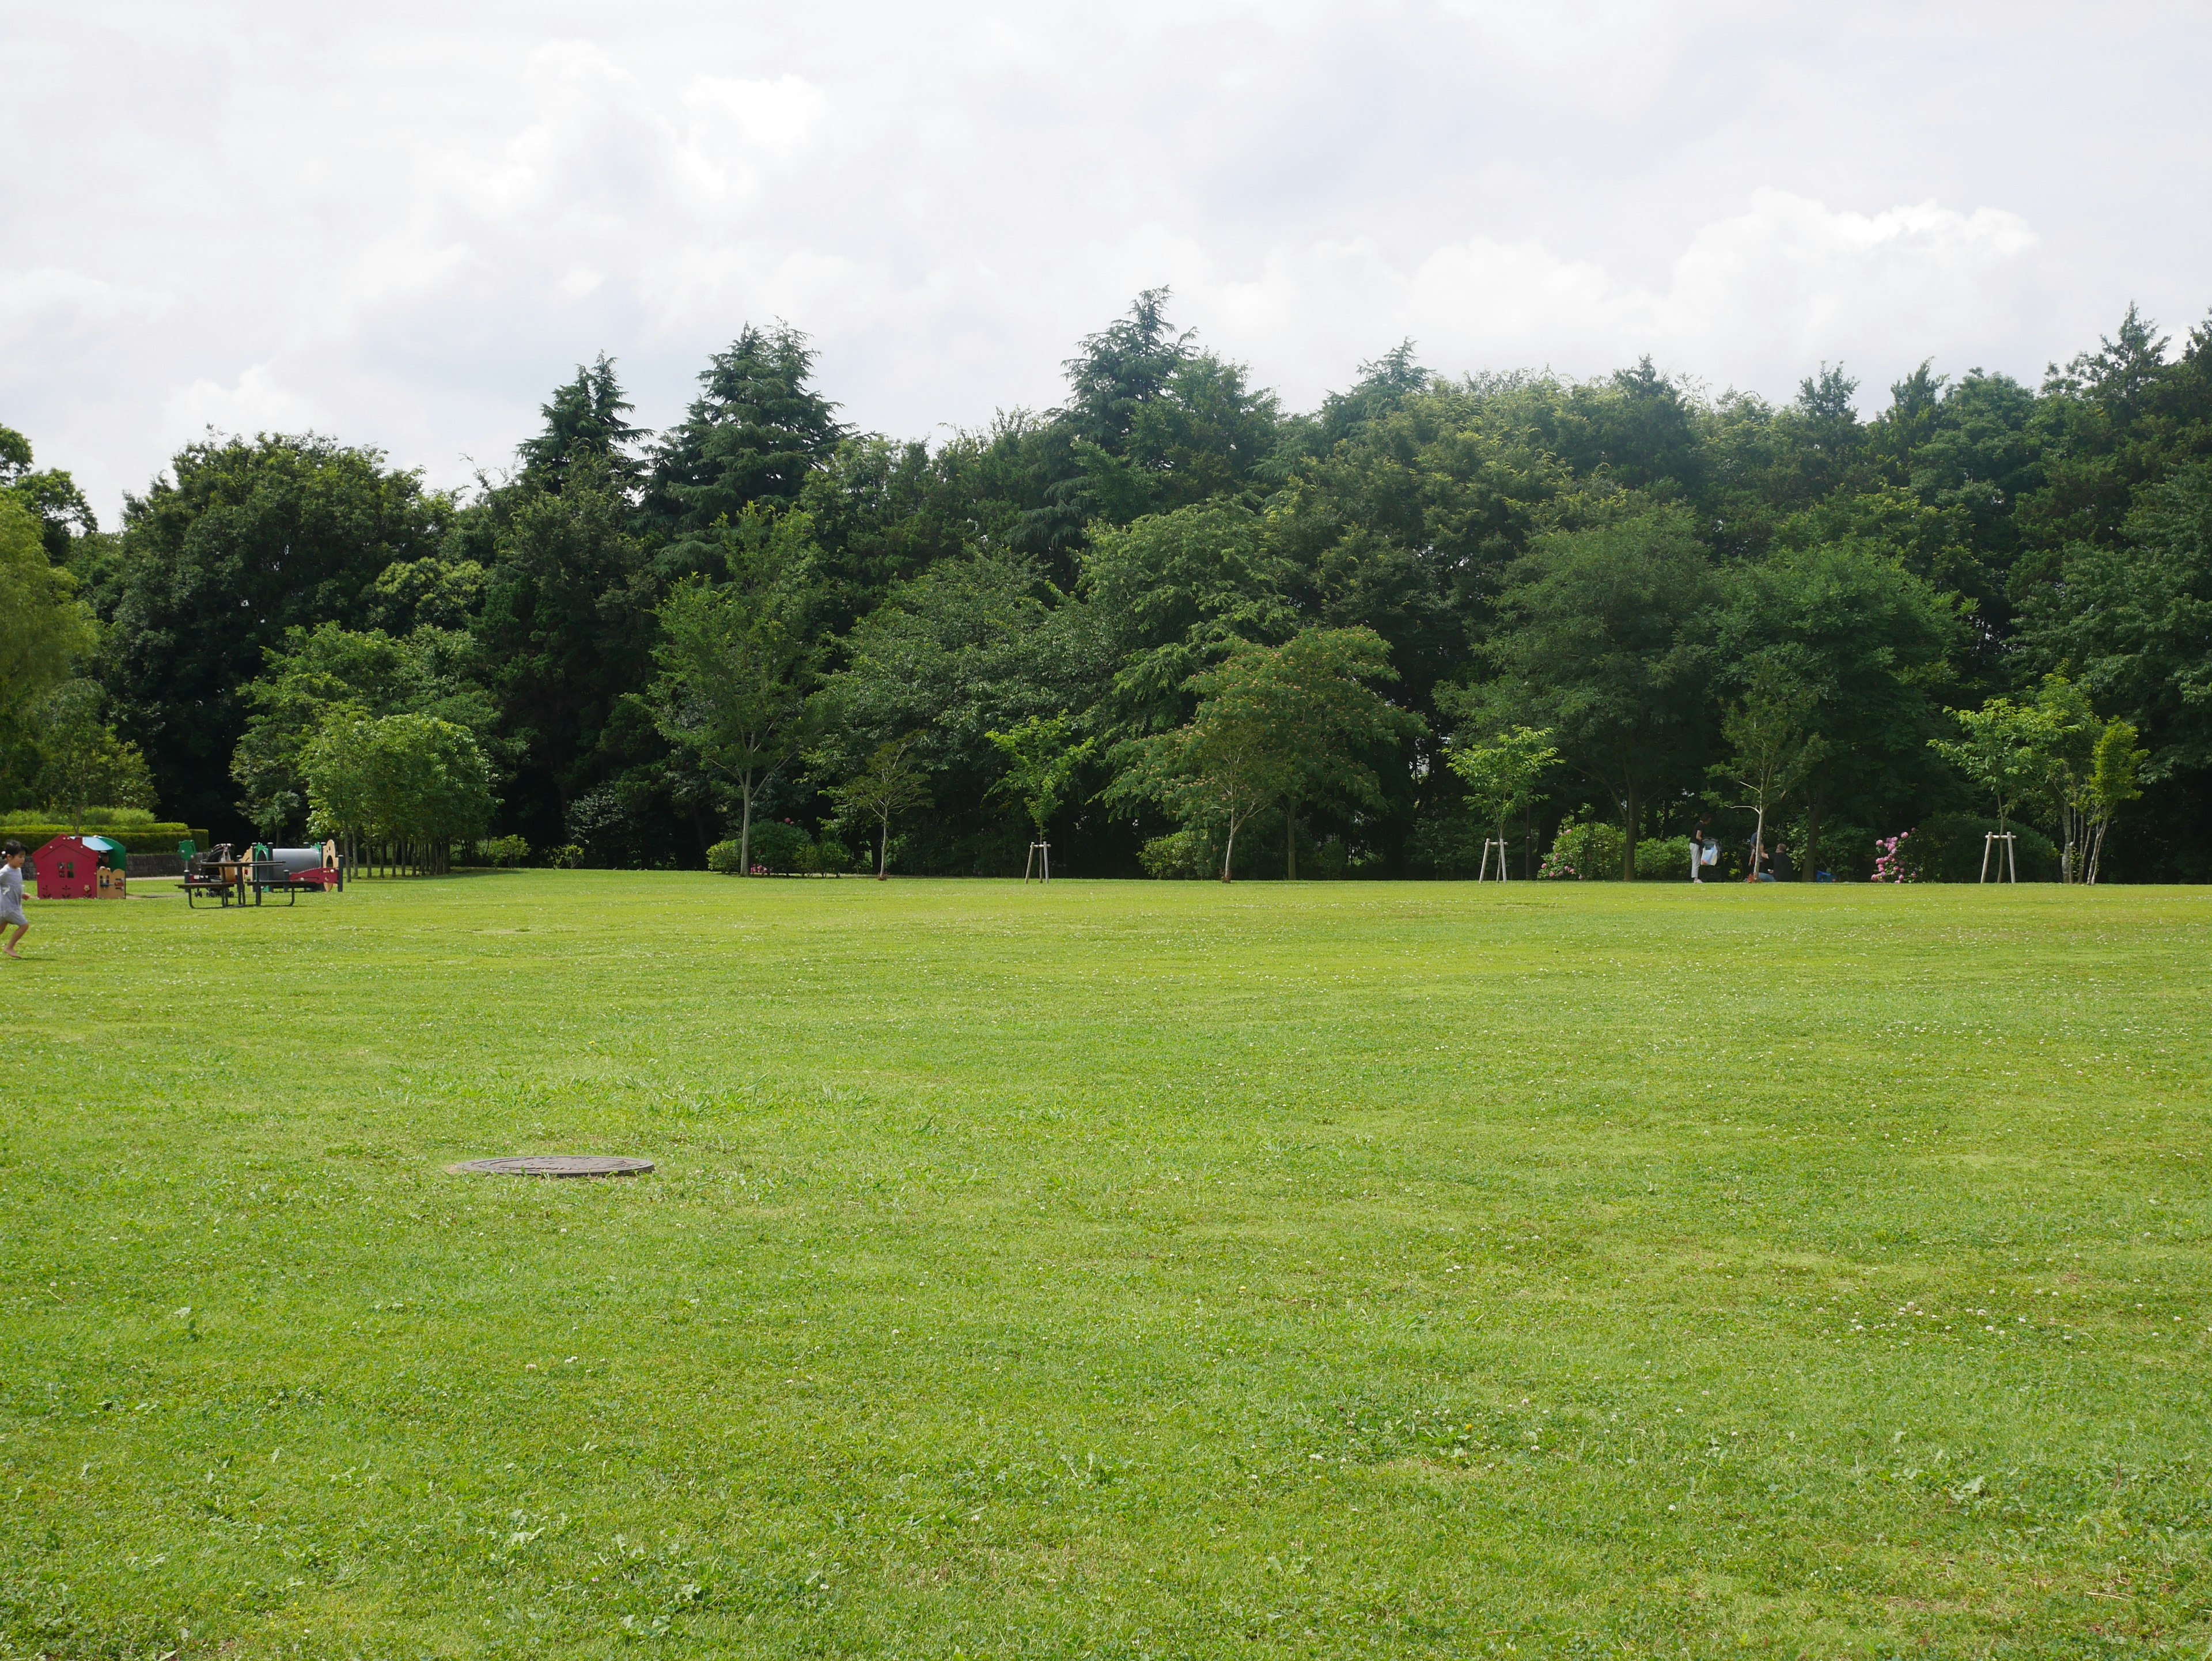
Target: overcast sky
column 403, row 223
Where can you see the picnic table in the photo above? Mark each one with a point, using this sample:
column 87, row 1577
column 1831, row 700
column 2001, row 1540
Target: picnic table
column 230, row 878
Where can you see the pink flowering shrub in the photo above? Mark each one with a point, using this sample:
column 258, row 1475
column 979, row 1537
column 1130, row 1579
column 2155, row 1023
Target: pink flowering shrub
column 1895, row 860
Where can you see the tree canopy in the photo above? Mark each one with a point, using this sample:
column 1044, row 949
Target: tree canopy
column 651, row 639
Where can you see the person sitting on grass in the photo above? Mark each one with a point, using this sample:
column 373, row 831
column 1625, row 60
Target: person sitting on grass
column 1784, row 868
column 11, row 896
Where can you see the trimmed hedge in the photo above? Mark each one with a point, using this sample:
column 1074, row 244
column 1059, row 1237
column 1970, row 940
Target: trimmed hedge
column 135, row 838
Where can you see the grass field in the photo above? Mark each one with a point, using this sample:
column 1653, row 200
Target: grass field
column 1120, row 1270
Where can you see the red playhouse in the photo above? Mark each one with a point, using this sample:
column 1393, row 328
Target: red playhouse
column 69, row 867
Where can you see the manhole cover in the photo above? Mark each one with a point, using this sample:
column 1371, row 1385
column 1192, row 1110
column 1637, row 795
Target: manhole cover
column 553, row 1164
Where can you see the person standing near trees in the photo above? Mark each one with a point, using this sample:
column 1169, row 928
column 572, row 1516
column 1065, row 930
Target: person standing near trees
column 1698, row 838
column 11, row 896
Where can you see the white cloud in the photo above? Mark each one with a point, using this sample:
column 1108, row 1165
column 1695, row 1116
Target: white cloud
column 1787, row 283
column 405, row 226
column 256, row 402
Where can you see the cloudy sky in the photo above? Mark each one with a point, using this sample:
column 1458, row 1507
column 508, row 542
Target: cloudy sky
column 402, row 224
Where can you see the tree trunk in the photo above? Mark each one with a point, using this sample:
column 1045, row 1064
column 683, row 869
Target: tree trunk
column 745, row 826
column 1758, row 841
column 1812, row 839
column 1628, row 842
column 1228, row 851
column 1291, row 844
column 1527, row 842
column 884, row 847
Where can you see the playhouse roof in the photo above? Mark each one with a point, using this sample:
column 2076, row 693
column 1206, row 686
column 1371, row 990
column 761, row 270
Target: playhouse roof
column 108, row 851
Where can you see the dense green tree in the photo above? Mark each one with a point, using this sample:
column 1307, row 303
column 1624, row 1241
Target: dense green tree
column 245, row 540
column 315, row 675
column 85, row 764
column 50, row 496
column 44, row 627
column 1607, row 559
column 1601, row 636
column 567, row 629
column 1174, row 593
column 412, row 784
column 1873, row 646
column 1275, row 727
column 2133, row 620
column 584, row 425
column 756, row 432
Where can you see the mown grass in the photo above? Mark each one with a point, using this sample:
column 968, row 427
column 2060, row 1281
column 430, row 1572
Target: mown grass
column 1115, row 1270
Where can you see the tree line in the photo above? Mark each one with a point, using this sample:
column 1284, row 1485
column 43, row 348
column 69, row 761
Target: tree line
column 1169, row 626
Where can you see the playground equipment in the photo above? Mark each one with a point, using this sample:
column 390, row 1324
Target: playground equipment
column 230, row 878
column 81, row 869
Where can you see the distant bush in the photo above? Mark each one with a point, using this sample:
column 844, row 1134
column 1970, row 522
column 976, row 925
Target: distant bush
column 1447, row 841
column 783, row 848
column 1187, row 853
column 1662, row 859
column 505, row 850
column 1586, row 852
column 778, row 847
column 1330, row 859
column 566, row 857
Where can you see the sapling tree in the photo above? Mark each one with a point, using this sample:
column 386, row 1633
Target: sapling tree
column 2088, row 768
column 1041, row 766
column 734, row 660
column 889, row 784
column 1502, row 773
column 2001, row 748
column 1770, row 744
column 2115, row 767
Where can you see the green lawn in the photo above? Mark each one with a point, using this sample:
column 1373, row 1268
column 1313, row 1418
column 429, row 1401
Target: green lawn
column 1116, row 1270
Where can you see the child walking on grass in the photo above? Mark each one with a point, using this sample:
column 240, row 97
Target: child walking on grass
column 11, row 897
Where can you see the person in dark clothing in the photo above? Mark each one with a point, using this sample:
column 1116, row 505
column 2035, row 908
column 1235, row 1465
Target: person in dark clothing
column 1784, row 870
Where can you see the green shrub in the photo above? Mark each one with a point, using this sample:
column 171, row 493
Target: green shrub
column 1662, row 859
column 778, row 846
column 1187, row 853
column 1587, row 853
column 506, row 850
column 783, row 848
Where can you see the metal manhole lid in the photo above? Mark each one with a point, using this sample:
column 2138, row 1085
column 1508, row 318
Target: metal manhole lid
column 553, row 1164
